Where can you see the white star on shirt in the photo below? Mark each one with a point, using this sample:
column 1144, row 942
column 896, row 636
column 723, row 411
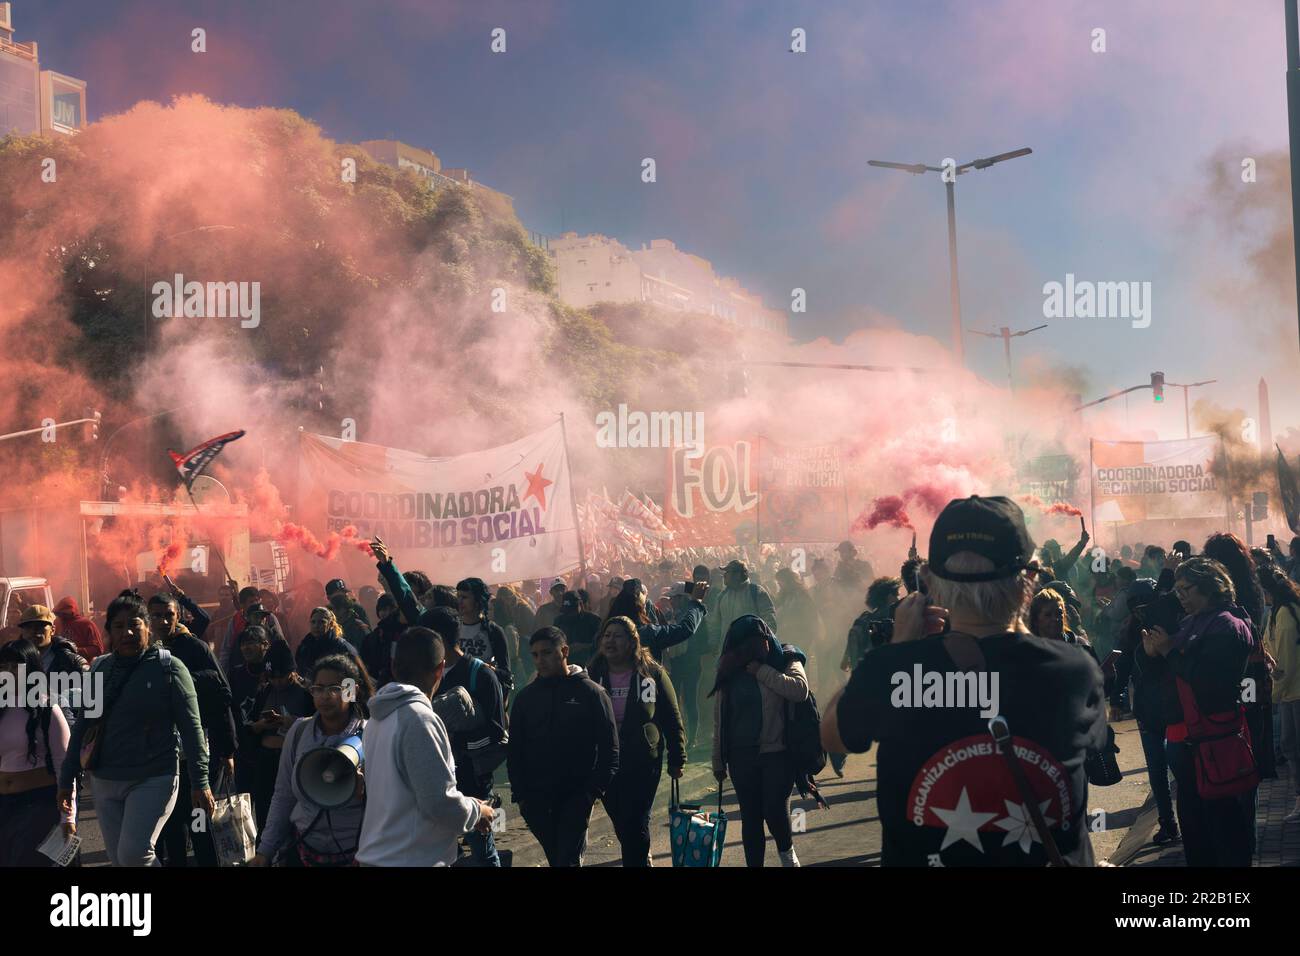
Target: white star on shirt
column 963, row 823
column 1020, row 825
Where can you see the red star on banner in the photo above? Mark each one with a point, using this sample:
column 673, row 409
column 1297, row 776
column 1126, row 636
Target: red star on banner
column 537, row 485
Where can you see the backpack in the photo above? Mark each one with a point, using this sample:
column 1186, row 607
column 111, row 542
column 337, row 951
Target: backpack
column 803, row 732
column 488, row 756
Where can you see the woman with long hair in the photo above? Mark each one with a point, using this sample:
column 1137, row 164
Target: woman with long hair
column 1282, row 637
column 755, row 681
column 1207, row 656
column 33, row 742
column 148, row 702
column 630, row 602
column 324, row 638
column 1231, row 552
column 649, row 722
column 299, row 831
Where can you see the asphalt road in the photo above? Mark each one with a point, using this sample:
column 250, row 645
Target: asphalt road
column 846, row 834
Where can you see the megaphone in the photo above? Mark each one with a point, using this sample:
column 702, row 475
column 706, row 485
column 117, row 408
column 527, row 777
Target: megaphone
column 327, row 776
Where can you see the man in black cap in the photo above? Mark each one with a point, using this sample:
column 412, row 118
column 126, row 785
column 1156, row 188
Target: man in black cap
column 579, row 625
column 951, row 791
column 350, row 614
column 851, row 568
column 548, row 612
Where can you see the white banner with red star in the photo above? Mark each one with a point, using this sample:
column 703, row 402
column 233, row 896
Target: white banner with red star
column 502, row 514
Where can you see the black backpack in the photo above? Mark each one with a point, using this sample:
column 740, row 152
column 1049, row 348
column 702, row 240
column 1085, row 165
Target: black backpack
column 803, row 731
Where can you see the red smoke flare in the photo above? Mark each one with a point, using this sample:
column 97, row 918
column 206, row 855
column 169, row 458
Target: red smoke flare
column 1060, row 508
column 167, row 558
column 290, row 533
column 888, row 510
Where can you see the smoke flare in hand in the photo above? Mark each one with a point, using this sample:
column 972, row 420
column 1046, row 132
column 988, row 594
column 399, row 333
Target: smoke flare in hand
column 890, row 510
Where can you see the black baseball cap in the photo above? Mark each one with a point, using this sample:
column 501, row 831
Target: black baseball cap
column 993, row 528
column 570, row 599
column 335, row 585
column 255, row 610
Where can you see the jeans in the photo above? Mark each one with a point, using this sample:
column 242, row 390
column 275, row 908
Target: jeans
column 1216, row 832
column 1153, row 746
column 763, row 783
column 559, row 822
column 132, row 814
column 628, row 801
column 25, row 820
column 482, row 845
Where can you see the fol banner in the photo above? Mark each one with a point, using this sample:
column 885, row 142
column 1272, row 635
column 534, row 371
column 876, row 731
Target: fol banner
column 502, row 514
column 713, row 498
column 801, row 494
column 1142, row 481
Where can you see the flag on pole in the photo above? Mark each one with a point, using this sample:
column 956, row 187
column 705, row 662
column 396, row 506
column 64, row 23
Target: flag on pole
column 1290, row 491
column 193, row 462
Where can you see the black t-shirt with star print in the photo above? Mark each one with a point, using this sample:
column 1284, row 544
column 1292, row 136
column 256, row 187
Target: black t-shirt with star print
column 946, row 797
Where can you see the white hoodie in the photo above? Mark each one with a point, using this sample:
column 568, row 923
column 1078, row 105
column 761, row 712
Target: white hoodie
column 414, row 813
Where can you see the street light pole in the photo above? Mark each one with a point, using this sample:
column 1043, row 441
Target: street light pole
column 1006, row 335
column 954, row 291
column 950, row 173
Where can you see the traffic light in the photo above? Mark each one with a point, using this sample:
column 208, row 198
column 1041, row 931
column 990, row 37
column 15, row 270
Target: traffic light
column 1158, row 386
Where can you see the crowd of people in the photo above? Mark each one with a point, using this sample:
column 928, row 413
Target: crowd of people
column 578, row 691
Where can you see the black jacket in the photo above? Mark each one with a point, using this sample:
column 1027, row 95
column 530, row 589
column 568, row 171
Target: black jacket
column 215, row 699
column 652, row 720
column 580, row 627
column 313, row 648
column 377, row 649
column 66, row 659
column 563, row 738
column 1212, row 659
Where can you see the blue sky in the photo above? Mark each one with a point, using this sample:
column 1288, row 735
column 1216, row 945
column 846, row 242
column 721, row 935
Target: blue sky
column 762, row 153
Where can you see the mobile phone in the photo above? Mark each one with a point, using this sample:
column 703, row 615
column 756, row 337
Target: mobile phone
column 1272, row 542
column 689, row 588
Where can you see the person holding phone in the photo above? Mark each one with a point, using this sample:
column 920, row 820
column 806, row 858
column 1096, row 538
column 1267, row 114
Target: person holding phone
column 1208, row 652
column 282, row 699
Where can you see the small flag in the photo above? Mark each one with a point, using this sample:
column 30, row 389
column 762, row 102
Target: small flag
column 193, row 462
column 1290, row 491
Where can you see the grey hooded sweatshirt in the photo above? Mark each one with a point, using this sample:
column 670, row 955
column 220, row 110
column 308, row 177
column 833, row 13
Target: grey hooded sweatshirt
column 414, row 813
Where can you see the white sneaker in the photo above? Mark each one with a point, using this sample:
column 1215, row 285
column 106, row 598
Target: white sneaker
column 787, row 857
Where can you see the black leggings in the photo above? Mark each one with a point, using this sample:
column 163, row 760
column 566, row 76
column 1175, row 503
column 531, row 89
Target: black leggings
column 763, row 783
column 628, row 801
column 180, row 826
column 25, row 820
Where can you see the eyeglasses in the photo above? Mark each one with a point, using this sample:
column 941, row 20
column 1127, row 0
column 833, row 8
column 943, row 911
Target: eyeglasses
column 333, row 690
